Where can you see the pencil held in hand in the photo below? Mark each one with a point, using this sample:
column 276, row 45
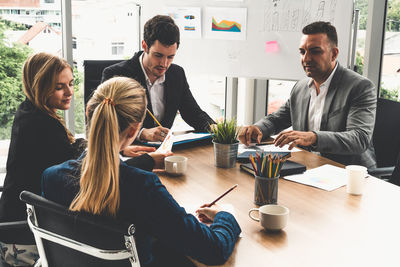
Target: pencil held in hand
column 154, row 118
column 221, row 196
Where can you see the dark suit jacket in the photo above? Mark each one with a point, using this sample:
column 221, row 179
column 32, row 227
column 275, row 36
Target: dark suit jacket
column 38, row 141
column 177, row 95
column 347, row 121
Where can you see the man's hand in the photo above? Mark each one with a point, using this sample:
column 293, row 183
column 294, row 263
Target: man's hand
column 248, row 133
column 295, row 138
column 154, row 134
column 136, row 151
column 159, row 159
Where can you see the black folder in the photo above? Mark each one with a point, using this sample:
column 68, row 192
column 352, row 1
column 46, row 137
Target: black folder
column 288, row 168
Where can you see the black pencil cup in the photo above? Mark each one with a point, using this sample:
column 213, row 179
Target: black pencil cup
column 265, row 190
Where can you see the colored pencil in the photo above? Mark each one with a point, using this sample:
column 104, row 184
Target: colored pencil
column 221, row 196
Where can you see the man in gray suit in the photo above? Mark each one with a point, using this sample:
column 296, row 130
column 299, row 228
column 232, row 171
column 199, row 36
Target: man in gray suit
column 332, row 113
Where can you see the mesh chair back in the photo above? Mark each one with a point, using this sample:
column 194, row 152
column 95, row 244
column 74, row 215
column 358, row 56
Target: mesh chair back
column 100, row 235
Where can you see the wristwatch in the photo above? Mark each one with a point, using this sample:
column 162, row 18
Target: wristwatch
column 314, row 146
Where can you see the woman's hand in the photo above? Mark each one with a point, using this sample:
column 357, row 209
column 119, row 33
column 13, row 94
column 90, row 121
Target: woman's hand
column 159, row 159
column 136, row 151
column 207, row 214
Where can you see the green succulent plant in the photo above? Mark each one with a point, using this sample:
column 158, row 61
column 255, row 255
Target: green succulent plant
column 225, row 132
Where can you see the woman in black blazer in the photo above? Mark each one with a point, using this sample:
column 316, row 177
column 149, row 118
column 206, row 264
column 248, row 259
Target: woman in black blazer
column 39, row 139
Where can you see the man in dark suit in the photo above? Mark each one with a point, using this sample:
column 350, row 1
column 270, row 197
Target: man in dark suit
column 167, row 88
column 332, row 112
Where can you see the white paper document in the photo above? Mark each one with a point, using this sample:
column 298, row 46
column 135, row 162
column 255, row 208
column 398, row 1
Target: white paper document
column 326, row 177
column 166, row 145
column 266, row 148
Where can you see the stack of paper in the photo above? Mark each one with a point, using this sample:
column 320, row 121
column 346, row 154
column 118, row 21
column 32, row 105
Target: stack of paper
column 327, row 177
column 166, row 145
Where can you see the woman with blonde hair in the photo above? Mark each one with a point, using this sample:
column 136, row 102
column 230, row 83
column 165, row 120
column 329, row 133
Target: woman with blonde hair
column 39, row 139
column 100, row 183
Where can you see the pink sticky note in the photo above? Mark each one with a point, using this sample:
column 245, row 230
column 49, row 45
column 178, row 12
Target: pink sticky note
column 271, row 47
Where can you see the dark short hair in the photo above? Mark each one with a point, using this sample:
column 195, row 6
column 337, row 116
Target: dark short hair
column 163, row 29
column 322, row 27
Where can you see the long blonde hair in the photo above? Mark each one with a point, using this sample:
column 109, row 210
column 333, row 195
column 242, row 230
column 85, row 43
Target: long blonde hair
column 115, row 105
column 39, row 82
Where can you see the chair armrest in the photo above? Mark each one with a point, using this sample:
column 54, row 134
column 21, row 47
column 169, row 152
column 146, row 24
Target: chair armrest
column 13, row 225
column 16, row 232
column 383, row 171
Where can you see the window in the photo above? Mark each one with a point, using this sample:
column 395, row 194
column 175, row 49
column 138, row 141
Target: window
column 117, row 48
column 362, row 6
column 110, row 18
column 74, row 42
column 390, row 71
column 278, row 93
column 13, row 57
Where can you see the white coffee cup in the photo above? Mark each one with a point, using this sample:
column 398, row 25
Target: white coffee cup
column 356, row 179
column 272, row 217
column 175, row 165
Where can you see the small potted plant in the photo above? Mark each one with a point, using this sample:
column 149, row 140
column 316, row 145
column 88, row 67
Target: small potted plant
column 224, row 137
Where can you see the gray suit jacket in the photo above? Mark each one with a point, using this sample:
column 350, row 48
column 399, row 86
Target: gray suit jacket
column 347, row 121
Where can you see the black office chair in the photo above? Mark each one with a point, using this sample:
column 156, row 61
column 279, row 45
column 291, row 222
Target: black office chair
column 395, row 177
column 93, row 70
column 66, row 238
column 386, row 137
column 8, row 230
column 14, row 232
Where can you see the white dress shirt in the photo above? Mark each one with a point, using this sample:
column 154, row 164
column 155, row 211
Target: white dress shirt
column 156, row 92
column 317, row 102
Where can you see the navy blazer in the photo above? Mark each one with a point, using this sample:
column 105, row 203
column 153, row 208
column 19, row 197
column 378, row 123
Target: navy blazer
column 145, row 201
column 39, row 141
column 177, row 95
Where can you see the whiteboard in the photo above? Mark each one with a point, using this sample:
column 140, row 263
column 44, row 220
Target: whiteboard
column 276, row 22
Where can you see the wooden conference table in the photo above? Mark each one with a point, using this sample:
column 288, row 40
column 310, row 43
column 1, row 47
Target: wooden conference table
column 324, row 228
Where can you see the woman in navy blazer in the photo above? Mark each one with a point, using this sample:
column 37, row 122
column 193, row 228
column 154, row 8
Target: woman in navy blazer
column 99, row 183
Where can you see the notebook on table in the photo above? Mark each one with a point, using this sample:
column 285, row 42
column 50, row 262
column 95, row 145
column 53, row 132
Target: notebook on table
column 288, row 168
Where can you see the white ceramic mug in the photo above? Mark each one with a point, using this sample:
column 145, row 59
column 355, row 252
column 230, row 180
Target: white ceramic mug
column 175, row 165
column 272, row 217
column 356, row 179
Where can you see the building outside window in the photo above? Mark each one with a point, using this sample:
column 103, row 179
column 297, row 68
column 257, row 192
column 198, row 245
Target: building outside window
column 117, row 48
